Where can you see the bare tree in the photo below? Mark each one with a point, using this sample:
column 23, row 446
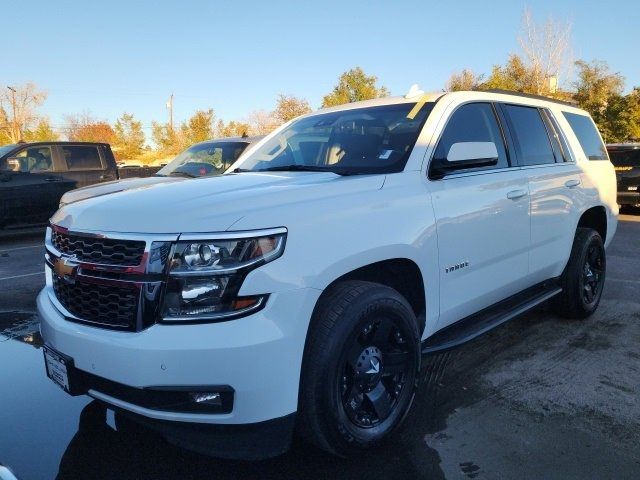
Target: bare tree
column 261, row 122
column 20, row 104
column 547, row 51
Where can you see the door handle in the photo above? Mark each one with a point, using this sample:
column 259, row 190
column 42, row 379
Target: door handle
column 515, row 194
column 51, row 179
column 572, row 183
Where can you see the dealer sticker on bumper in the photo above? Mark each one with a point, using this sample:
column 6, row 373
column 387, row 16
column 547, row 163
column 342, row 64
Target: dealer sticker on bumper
column 56, row 368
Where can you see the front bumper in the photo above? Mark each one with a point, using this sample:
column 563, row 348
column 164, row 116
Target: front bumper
column 259, row 356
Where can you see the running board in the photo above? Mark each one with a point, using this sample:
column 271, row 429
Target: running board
column 491, row 317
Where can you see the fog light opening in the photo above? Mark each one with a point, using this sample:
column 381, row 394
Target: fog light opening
column 207, row 398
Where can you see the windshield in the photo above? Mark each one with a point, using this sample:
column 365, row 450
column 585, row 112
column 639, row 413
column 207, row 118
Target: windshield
column 204, row 159
column 625, row 158
column 6, row 149
column 362, row 140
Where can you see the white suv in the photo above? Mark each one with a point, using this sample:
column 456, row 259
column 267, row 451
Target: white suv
column 301, row 288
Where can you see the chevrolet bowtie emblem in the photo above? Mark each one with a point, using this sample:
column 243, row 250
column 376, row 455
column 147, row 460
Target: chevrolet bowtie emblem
column 66, row 269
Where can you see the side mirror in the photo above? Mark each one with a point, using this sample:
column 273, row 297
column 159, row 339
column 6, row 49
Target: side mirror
column 464, row 155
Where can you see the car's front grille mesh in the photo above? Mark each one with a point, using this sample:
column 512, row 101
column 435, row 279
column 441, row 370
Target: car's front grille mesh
column 105, row 305
column 106, row 251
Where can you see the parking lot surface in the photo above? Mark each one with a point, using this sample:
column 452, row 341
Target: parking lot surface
column 539, row 397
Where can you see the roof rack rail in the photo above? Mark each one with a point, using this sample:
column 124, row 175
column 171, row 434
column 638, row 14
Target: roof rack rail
column 531, row 95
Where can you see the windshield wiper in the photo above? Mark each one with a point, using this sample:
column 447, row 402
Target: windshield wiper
column 310, row 168
column 182, row 174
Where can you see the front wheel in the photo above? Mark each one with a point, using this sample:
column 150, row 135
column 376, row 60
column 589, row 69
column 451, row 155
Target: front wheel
column 360, row 368
column 583, row 278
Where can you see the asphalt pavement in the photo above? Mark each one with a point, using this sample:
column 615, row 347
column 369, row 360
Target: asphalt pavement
column 540, row 397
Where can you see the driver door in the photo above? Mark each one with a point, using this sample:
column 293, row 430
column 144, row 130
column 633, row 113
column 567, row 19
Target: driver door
column 29, row 190
column 482, row 218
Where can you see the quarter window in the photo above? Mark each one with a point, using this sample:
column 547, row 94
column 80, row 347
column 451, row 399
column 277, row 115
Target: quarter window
column 473, row 122
column 529, row 134
column 80, row 157
column 587, row 135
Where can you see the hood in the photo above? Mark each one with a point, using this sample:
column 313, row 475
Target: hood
column 112, row 187
column 212, row 204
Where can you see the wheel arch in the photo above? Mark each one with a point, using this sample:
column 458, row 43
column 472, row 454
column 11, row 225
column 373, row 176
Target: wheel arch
column 596, row 219
column 402, row 274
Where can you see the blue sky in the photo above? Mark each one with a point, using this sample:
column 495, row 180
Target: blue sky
column 235, row 57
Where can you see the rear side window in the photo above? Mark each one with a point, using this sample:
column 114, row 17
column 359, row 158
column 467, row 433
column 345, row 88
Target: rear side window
column 587, row 135
column 82, row 157
column 529, row 135
column 473, row 122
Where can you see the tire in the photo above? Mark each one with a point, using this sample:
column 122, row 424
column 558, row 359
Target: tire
column 583, row 278
column 360, row 367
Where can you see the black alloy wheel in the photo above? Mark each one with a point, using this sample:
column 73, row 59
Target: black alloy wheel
column 375, row 369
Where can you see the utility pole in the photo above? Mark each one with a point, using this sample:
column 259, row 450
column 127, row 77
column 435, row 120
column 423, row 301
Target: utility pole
column 170, row 107
column 15, row 131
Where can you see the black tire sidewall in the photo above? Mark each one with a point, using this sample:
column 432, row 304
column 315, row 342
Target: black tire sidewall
column 593, row 239
column 339, row 429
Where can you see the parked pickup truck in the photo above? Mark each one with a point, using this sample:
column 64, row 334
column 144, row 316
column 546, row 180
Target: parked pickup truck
column 626, row 160
column 302, row 287
column 33, row 177
column 211, row 157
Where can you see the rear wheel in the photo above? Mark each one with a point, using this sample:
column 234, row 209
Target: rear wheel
column 360, row 368
column 583, row 278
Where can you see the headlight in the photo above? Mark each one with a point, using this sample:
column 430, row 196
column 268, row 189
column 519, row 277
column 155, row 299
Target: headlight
column 205, row 277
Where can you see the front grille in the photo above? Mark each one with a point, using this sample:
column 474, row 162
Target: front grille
column 105, row 251
column 106, row 305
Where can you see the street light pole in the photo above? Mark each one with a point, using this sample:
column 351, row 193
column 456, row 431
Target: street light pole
column 170, row 107
column 13, row 108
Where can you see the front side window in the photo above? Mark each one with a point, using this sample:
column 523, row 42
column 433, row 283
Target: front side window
column 587, row 135
column 82, row 157
column 31, row 159
column 357, row 141
column 529, row 135
column 204, row 159
column 473, row 123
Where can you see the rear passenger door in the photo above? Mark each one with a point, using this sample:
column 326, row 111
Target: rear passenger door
column 554, row 183
column 82, row 163
column 482, row 217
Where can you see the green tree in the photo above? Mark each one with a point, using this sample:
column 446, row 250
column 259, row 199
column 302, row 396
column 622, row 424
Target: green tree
column 353, row 86
column 232, row 129
column 5, row 129
column 129, row 137
column 289, row 107
column 599, row 92
column 41, row 133
column 199, row 127
column 514, row 75
column 465, row 80
column 166, row 139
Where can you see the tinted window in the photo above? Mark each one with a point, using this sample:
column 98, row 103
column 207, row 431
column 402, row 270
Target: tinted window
column 530, row 135
column 31, row 159
column 587, row 134
column 625, row 158
column 82, row 157
column 473, row 122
